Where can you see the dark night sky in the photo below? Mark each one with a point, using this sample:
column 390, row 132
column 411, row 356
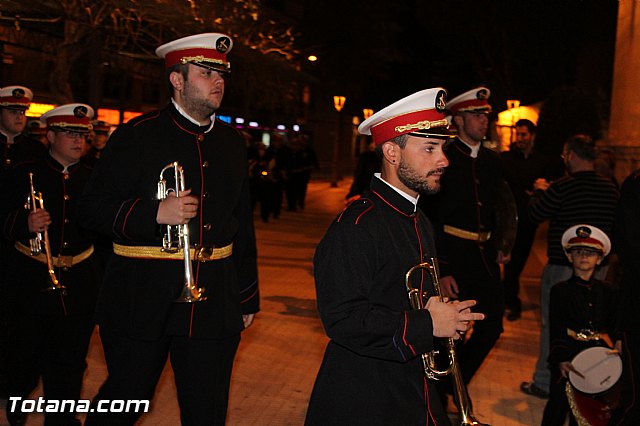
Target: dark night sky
column 376, row 52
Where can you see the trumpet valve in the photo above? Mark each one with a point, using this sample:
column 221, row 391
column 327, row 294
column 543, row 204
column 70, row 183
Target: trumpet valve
column 34, row 244
column 162, row 189
column 168, row 247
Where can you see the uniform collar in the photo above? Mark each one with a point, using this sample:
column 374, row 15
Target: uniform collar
column 202, row 129
column 59, row 167
column 9, row 140
column 579, row 281
column 391, row 195
column 471, row 151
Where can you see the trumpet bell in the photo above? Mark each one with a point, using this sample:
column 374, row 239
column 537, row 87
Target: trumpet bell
column 191, row 294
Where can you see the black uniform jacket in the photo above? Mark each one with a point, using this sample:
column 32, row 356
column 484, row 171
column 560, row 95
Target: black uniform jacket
column 372, row 373
column 61, row 193
column 121, row 200
column 579, row 305
column 22, row 149
column 627, row 245
column 466, row 201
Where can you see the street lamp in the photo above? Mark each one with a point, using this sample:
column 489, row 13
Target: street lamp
column 366, row 113
column 512, row 106
column 338, row 104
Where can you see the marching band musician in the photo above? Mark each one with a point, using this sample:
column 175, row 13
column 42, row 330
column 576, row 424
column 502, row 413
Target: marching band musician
column 582, row 314
column 98, row 141
column 49, row 330
column 463, row 217
column 16, row 145
column 139, row 320
column 372, row 372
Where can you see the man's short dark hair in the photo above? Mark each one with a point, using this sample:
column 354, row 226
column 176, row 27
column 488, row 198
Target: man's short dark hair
column 582, row 145
column 523, row 122
column 180, row 68
column 401, row 141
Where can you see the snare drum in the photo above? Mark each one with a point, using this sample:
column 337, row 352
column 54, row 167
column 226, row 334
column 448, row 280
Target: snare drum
column 593, row 397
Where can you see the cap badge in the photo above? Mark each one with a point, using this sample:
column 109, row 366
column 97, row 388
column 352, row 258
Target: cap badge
column 222, row 44
column 482, row 94
column 18, row 93
column 441, row 101
column 80, row 111
column 583, row 232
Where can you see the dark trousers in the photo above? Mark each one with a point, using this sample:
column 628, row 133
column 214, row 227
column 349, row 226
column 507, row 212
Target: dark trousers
column 51, row 348
column 292, row 191
column 557, row 408
column 522, row 247
column 487, row 290
column 305, row 177
column 202, row 370
column 472, row 353
column 629, row 412
column 277, row 198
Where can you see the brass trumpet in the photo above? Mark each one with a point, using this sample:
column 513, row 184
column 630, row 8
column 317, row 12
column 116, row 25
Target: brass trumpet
column 190, row 293
column 40, row 242
column 461, row 395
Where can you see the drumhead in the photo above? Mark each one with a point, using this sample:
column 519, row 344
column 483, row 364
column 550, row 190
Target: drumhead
column 601, row 370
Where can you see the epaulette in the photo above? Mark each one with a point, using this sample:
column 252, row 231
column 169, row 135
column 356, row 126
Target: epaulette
column 354, row 211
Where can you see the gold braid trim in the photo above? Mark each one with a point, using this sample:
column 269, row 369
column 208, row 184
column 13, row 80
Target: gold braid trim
column 422, row 125
column 574, row 406
column 63, row 125
column 62, row 261
column 200, row 254
column 200, row 58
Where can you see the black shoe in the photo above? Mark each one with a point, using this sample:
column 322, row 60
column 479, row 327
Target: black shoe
column 530, row 388
column 514, row 315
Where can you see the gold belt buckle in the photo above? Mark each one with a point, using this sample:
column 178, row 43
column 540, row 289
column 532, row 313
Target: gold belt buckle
column 588, row 335
column 203, row 254
column 483, row 237
column 64, row 261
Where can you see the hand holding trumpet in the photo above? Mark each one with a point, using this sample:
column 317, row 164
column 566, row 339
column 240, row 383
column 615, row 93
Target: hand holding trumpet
column 177, row 210
column 451, row 319
column 38, row 220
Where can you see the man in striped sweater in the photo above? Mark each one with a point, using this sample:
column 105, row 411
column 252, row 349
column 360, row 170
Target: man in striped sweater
column 581, row 197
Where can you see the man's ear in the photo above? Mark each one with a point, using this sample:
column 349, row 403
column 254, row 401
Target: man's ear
column 177, row 80
column 391, row 152
column 600, row 259
column 566, row 253
column 458, row 120
column 51, row 135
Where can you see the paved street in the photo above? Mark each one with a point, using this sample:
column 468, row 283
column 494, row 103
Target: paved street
column 280, row 354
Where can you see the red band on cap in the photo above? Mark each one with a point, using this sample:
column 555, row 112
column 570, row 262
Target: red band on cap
column 471, row 104
column 176, row 56
column 68, row 121
column 403, row 124
column 588, row 242
column 10, row 100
